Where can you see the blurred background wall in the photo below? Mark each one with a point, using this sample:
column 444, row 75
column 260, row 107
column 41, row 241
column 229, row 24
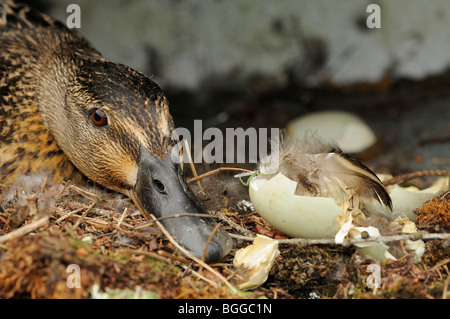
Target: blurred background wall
column 262, row 63
column 192, row 45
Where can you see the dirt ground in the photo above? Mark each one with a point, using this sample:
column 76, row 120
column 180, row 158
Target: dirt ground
column 102, row 233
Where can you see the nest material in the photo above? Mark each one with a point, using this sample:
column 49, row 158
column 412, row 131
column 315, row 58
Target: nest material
column 95, row 229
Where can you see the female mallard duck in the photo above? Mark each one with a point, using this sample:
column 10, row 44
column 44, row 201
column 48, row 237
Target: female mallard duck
column 65, row 110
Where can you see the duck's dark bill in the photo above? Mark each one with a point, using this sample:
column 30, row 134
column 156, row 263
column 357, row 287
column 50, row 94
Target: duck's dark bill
column 161, row 190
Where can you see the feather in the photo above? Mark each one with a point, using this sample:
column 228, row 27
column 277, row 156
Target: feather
column 321, row 169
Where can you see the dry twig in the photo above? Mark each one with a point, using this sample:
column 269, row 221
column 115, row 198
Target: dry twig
column 215, row 171
column 350, row 241
column 66, row 215
column 83, row 215
column 151, row 222
column 125, row 211
column 405, row 177
column 63, row 189
column 24, row 230
column 244, row 231
column 191, row 163
column 209, row 240
column 98, row 222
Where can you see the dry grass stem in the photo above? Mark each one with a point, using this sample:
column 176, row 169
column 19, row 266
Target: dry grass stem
column 191, row 163
column 151, row 222
column 197, row 260
column 83, row 215
column 215, row 171
column 63, row 189
column 244, row 231
column 24, row 229
column 67, row 215
column 209, row 240
column 405, row 177
column 122, row 217
column 350, row 241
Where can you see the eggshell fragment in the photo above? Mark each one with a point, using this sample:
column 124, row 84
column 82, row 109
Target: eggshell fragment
column 345, row 129
column 295, row 216
column 405, row 199
column 377, row 250
column 257, row 259
column 417, row 246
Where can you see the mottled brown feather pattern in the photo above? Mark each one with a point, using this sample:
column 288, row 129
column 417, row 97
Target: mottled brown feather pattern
column 50, row 81
column 25, row 141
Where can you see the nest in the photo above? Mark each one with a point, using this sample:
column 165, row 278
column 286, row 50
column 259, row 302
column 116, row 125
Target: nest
column 54, row 226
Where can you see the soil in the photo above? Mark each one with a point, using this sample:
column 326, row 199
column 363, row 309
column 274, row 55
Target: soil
column 99, row 231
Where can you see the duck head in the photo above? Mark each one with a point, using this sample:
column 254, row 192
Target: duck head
column 114, row 125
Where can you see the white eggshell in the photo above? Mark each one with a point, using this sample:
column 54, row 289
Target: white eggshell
column 258, row 258
column 405, row 199
column 345, row 129
column 418, row 247
column 377, row 250
column 295, row 216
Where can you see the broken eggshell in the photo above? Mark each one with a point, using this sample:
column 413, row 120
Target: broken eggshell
column 294, row 215
column 417, row 246
column 347, row 130
column 310, row 217
column 256, row 259
column 405, row 199
column 377, row 250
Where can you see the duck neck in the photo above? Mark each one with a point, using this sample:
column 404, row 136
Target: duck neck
column 32, row 89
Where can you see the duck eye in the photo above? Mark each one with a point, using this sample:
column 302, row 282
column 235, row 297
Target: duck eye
column 99, row 117
column 159, row 186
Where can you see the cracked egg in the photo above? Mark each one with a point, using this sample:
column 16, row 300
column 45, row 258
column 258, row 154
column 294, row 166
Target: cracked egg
column 294, row 215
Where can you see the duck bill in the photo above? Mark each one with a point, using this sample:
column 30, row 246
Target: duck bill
column 161, row 190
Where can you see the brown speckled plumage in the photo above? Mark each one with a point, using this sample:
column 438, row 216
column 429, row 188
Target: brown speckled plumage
column 50, row 81
column 65, row 112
